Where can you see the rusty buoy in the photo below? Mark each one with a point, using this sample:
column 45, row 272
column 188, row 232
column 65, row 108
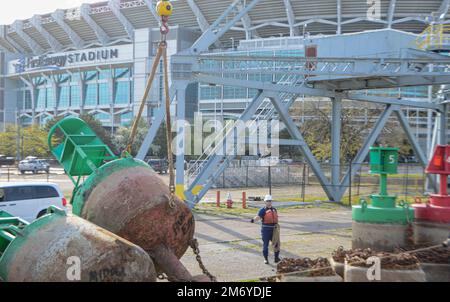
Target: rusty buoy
column 63, row 248
column 127, row 197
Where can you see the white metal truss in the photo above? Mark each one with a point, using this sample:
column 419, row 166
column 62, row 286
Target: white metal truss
column 340, row 74
column 250, row 32
column 59, row 17
column 396, row 15
column 339, row 17
column 294, row 31
column 114, row 5
column 201, row 20
column 7, row 44
column 391, row 13
column 36, row 21
column 364, row 150
column 32, row 44
column 151, row 6
column 443, row 10
column 235, row 12
column 102, row 36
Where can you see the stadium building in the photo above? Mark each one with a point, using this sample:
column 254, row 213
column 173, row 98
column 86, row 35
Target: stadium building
column 96, row 58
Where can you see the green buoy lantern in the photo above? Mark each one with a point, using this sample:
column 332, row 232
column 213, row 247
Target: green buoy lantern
column 382, row 224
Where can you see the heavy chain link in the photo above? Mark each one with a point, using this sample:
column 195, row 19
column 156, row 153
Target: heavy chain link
column 194, row 245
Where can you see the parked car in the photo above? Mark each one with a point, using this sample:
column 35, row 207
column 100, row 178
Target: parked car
column 33, row 165
column 159, row 165
column 31, row 200
column 7, row 161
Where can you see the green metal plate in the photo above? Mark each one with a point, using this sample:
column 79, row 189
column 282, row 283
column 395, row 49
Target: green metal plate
column 383, row 160
column 371, row 214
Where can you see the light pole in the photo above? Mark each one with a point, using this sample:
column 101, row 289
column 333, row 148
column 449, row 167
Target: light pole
column 18, row 135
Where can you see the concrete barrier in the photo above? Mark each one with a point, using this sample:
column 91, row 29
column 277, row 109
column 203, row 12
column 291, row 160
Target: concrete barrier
column 436, row 272
column 300, row 278
column 379, row 237
column 338, row 267
column 430, row 232
column 359, row 274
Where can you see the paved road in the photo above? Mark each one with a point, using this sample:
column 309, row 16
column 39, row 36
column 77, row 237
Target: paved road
column 231, row 246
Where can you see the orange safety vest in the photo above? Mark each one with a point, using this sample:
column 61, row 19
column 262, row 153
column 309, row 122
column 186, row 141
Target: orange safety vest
column 271, row 216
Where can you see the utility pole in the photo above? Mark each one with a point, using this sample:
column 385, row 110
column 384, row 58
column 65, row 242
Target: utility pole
column 18, row 135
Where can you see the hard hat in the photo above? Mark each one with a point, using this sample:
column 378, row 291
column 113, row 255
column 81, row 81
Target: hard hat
column 164, row 8
column 268, row 198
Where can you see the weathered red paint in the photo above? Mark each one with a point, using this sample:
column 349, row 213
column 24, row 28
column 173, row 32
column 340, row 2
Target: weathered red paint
column 134, row 204
column 103, row 256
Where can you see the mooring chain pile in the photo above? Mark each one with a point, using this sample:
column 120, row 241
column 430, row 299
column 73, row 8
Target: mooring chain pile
column 438, row 255
column 403, row 259
column 195, row 248
column 358, row 257
column 340, row 255
column 319, row 267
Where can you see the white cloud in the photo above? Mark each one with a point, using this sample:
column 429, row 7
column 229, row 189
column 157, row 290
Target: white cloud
column 24, row 9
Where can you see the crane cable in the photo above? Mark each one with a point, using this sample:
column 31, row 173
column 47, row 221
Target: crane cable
column 161, row 53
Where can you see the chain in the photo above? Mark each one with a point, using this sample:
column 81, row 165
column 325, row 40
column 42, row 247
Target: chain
column 196, row 250
column 362, row 261
column 409, row 231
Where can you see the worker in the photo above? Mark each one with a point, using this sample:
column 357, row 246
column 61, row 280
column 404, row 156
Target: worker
column 270, row 229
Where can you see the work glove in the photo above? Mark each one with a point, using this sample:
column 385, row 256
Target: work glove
column 446, row 243
column 252, row 220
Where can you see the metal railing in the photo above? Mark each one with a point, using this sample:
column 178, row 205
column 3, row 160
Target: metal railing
column 265, row 112
column 434, row 36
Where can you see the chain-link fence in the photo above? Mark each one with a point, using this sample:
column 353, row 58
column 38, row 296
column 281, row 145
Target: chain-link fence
column 285, row 182
column 297, row 182
column 10, row 174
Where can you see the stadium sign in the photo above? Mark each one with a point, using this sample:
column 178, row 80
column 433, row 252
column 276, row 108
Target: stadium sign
column 70, row 59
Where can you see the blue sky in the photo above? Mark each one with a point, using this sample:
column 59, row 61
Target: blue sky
column 24, row 9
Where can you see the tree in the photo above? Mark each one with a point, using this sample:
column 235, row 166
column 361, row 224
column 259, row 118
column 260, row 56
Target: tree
column 93, row 123
column 157, row 149
column 32, row 142
column 317, row 132
column 394, row 136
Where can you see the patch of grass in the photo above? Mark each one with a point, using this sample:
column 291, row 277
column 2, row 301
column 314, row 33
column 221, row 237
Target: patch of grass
column 237, row 209
column 401, row 176
column 250, row 281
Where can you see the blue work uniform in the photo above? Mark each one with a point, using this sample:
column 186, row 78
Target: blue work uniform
column 267, row 232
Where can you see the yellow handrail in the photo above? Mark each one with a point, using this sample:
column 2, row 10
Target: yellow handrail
column 434, row 36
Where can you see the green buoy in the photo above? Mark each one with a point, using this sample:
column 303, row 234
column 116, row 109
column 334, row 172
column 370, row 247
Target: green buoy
column 383, row 223
column 383, row 207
